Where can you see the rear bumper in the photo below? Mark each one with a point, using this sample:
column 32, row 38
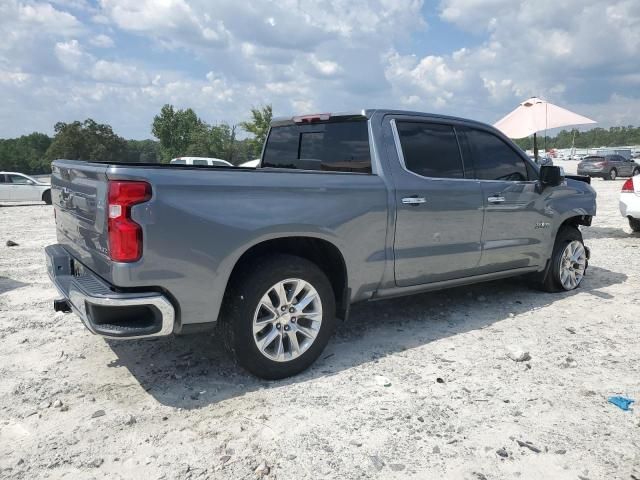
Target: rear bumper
column 591, row 173
column 630, row 205
column 103, row 310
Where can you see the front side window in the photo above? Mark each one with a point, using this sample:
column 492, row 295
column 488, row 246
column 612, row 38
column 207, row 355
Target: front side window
column 19, row 180
column 430, row 150
column 494, row 159
column 338, row 146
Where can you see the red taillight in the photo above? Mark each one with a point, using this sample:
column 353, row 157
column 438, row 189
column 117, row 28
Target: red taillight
column 628, row 186
column 125, row 235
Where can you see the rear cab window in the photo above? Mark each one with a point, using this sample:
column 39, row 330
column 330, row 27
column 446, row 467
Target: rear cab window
column 333, row 146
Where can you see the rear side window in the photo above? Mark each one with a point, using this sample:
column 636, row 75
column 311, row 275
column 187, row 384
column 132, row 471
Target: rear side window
column 200, row 162
column 333, row 146
column 430, row 150
column 493, row 159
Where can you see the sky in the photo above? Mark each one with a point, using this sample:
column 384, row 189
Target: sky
column 119, row 61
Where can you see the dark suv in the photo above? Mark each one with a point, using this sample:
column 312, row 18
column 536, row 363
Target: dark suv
column 608, row 167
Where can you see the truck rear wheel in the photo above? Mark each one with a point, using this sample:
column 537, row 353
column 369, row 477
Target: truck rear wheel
column 278, row 317
column 569, row 261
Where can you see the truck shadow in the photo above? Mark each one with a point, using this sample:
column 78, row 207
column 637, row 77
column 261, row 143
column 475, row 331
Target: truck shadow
column 609, row 232
column 192, row 372
column 7, row 284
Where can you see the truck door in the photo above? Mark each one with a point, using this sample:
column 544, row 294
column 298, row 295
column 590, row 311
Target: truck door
column 626, row 166
column 438, row 211
column 516, row 224
column 22, row 189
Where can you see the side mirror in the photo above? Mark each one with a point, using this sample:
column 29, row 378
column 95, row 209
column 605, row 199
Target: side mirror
column 551, row 176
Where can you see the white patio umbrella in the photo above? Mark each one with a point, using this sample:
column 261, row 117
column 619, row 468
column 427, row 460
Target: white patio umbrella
column 534, row 115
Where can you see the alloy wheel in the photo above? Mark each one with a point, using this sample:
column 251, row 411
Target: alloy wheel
column 287, row 320
column 573, row 264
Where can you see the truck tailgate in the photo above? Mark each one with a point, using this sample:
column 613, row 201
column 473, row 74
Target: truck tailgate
column 79, row 194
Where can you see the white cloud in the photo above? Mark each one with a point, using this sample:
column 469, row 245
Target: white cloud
column 70, row 55
column 115, row 72
column 325, row 67
column 102, row 41
column 69, row 59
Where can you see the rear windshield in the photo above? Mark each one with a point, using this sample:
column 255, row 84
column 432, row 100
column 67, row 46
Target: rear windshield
column 334, row 146
column 593, row 159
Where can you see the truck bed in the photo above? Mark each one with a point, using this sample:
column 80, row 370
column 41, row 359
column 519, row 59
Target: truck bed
column 201, row 219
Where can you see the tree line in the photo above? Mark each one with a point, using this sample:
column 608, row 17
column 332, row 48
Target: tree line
column 595, row 137
column 179, row 132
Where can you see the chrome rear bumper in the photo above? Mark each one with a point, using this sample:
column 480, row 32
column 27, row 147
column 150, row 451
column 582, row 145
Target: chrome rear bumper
column 104, row 311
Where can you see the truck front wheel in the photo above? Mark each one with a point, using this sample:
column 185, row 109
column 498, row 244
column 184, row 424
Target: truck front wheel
column 278, row 317
column 569, row 261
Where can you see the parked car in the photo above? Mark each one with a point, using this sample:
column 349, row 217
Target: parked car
column 251, row 163
column 18, row 187
column 543, row 159
column 345, row 208
column 630, row 202
column 201, row 161
column 608, row 167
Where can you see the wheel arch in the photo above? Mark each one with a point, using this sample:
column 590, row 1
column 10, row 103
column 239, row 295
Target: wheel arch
column 45, row 193
column 325, row 254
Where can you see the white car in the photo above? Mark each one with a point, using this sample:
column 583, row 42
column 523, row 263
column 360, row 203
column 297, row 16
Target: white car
column 630, row 202
column 251, row 163
column 204, row 161
column 18, row 187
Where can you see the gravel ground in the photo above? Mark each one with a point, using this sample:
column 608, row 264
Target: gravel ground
column 418, row 387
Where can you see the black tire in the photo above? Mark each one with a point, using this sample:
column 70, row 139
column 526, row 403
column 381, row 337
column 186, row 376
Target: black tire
column 634, row 223
column 636, row 171
column 612, row 175
column 46, row 197
column 551, row 276
column 242, row 299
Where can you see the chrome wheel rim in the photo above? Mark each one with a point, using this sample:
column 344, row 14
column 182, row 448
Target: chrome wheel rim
column 612, row 174
column 287, row 320
column 573, row 264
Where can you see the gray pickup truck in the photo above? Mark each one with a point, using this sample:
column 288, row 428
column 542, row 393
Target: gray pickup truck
column 343, row 208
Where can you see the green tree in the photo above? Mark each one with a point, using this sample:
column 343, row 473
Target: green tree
column 177, row 130
column 143, row 151
column 258, row 126
column 217, row 141
column 25, row 154
column 86, row 140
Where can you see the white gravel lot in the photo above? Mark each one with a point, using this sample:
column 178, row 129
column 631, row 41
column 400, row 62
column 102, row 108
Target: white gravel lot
column 418, row 387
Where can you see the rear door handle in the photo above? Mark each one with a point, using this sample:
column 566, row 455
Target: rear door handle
column 414, row 200
column 495, row 199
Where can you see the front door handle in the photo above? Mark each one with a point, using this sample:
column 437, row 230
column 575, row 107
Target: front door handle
column 495, row 199
column 414, row 200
